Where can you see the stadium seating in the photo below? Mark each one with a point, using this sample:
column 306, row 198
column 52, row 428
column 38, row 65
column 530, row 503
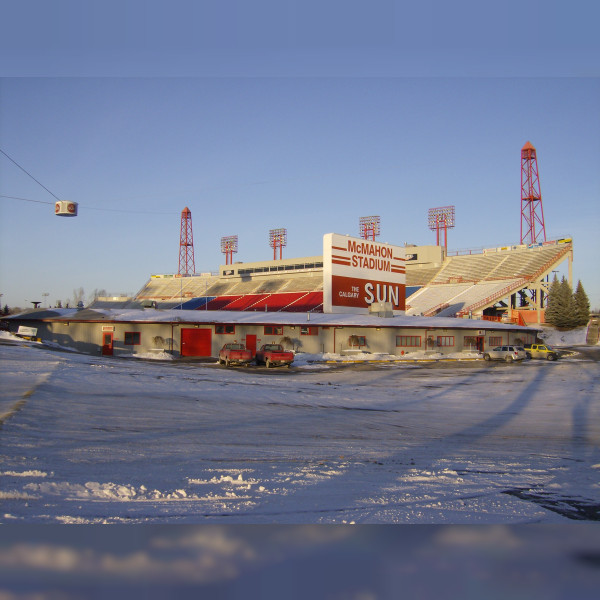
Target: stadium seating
column 462, row 283
column 245, row 302
column 220, row 302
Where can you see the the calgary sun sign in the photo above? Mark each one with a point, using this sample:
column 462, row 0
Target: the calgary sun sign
column 359, row 272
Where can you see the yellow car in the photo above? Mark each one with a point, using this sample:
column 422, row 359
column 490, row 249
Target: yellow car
column 541, row 351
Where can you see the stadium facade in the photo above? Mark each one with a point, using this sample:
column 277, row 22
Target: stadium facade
column 356, row 297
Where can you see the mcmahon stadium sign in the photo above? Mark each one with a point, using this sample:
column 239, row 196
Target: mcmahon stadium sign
column 358, row 273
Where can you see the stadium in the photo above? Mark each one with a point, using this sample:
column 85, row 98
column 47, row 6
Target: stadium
column 507, row 283
column 359, row 295
column 497, row 284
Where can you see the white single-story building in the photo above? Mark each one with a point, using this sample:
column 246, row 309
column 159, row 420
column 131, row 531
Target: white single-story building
column 197, row 333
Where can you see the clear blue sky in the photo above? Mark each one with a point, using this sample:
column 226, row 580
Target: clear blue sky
column 305, row 118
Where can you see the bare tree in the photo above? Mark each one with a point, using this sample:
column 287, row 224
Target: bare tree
column 78, row 296
column 96, row 293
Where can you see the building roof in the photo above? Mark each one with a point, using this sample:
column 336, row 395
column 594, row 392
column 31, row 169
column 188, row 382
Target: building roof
column 150, row 315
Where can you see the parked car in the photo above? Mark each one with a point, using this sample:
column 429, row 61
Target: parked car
column 235, row 354
column 541, row 351
column 507, row 353
column 274, row 355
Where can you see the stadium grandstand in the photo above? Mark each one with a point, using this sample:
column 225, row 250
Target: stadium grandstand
column 508, row 283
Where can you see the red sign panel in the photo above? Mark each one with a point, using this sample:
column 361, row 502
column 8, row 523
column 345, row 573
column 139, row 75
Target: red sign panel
column 358, row 273
column 353, row 292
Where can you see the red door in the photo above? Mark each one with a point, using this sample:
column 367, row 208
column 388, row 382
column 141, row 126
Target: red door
column 107, row 343
column 196, row 342
column 251, row 343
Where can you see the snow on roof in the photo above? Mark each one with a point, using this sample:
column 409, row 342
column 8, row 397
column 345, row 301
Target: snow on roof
column 273, row 318
column 43, row 313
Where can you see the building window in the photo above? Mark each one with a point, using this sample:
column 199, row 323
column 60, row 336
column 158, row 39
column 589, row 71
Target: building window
column 273, row 330
column 132, row 338
column 225, row 329
column 445, row 340
column 410, row 341
column 309, row 330
column 355, row 341
column 496, row 341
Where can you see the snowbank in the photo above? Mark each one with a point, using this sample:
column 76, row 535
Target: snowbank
column 156, row 355
column 303, row 359
column 553, row 337
column 5, row 335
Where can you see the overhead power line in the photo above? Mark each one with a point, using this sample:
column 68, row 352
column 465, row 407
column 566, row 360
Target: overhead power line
column 26, row 199
column 29, row 174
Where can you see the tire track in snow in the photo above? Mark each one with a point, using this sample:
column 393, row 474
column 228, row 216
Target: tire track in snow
column 37, row 370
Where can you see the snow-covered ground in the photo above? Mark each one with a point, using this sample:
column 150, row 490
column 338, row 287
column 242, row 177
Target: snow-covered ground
column 459, row 444
column 96, row 440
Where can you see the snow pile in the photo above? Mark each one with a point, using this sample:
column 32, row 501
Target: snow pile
column 5, row 335
column 11, row 337
column 556, row 338
column 309, row 359
column 92, row 490
column 34, row 473
column 156, row 355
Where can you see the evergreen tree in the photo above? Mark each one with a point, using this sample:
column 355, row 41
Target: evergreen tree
column 561, row 305
column 567, row 318
column 582, row 306
column 552, row 306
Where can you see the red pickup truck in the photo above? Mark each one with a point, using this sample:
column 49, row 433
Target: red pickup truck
column 235, row 354
column 274, row 354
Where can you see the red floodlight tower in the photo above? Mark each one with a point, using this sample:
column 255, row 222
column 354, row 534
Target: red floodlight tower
column 186, row 244
column 229, row 246
column 533, row 228
column 441, row 218
column 278, row 239
column 369, row 227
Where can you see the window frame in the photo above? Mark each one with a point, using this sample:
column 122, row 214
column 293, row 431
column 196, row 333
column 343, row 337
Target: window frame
column 275, row 330
column 223, row 327
column 132, row 334
column 399, row 339
column 359, row 338
column 442, row 340
column 309, row 330
column 495, row 341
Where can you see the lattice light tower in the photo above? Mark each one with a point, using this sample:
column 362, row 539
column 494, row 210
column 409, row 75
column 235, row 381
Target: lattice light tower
column 369, row 227
column 533, row 228
column 229, row 246
column 278, row 239
column 186, row 244
column 441, row 218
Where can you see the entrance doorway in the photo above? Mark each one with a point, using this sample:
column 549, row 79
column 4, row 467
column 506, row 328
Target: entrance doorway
column 251, row 343
column 107, row 343
column 196, row 342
